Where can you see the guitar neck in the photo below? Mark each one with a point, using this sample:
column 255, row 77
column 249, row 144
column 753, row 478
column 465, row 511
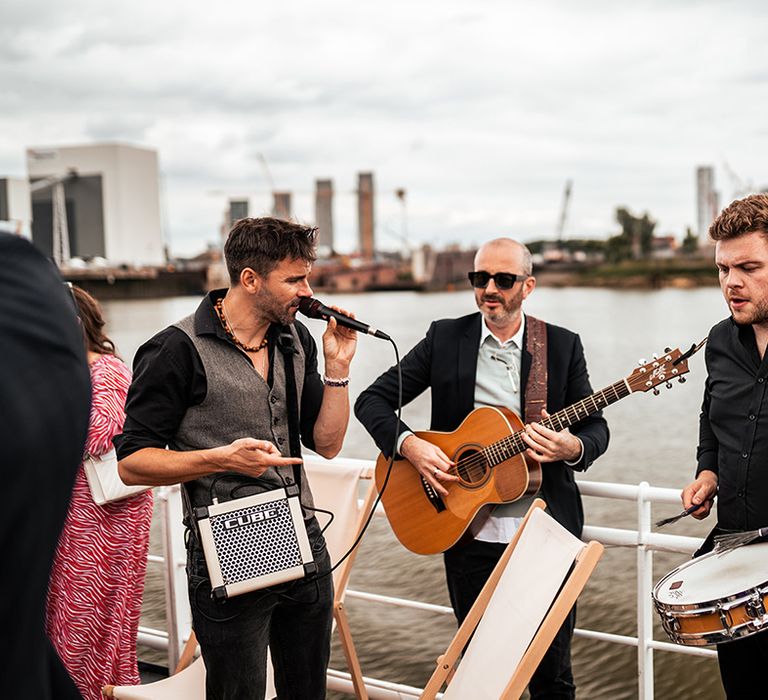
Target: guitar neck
column 514, row 444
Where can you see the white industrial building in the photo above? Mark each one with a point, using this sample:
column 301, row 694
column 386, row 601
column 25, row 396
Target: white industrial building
column 15, row 206
column 112, row 201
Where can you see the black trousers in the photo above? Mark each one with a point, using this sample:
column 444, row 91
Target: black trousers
column 467, row 568
column 741, row 662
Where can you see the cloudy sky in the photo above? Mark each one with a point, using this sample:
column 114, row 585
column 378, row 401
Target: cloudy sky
column 480, row 110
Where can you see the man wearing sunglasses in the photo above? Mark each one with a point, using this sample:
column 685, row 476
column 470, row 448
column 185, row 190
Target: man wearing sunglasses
column 484, row 359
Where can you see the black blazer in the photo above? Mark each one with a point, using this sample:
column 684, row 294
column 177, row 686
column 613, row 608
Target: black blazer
column 445, row 361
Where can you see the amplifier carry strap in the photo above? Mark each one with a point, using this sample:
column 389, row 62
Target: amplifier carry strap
column 285, row 343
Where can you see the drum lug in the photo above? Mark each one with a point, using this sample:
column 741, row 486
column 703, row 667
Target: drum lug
column 671, row 625
column 755, row 609
column 725, row 619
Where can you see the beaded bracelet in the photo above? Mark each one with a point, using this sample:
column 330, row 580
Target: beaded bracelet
column 344, row 381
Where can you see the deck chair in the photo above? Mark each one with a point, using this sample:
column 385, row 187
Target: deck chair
column 517, row 614
column 335, row 486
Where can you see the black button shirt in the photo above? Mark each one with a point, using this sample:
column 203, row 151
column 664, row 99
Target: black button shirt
column 733, row 426
column 169, row 377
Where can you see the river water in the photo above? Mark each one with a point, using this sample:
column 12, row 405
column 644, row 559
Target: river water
column 653, row 438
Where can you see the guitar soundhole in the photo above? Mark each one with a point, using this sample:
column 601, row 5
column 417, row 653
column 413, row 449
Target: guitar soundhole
column 472, row 466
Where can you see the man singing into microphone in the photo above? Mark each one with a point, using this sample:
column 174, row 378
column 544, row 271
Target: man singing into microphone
column 212, row 389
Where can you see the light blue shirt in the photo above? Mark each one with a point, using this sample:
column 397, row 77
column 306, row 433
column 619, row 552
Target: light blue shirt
column 497, row 383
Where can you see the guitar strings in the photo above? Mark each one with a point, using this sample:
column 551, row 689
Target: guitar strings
column 498, row 452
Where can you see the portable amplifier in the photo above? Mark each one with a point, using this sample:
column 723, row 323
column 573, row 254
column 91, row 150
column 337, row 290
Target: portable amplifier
column 255, row 542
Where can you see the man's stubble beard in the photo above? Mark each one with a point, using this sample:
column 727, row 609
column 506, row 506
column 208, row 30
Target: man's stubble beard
column 758, row 317
column 269, row 308
column 509, row 309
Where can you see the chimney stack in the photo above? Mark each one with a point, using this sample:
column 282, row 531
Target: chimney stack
column 324, row 213
column 281, row 205
column 365, row 214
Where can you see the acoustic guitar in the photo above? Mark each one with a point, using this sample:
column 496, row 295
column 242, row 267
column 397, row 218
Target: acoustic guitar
column 489, row 458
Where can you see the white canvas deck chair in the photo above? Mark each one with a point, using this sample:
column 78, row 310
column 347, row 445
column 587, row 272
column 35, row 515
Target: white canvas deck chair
column 335, row 486
column 516, row 616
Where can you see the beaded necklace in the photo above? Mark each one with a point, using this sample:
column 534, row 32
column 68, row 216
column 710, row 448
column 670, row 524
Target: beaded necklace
column 219, row 305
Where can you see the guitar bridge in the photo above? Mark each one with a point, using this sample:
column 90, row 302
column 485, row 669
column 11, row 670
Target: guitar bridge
column 432, row 496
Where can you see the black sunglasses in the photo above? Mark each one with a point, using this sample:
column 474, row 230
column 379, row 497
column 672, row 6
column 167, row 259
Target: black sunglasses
column 503, row 280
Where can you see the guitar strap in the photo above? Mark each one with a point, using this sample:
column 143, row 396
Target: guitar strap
column 536, row 386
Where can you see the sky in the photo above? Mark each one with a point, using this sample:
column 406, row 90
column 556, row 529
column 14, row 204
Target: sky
column 481, row 111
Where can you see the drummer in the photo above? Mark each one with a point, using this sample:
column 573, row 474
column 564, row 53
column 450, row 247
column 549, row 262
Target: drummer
column 733, row 425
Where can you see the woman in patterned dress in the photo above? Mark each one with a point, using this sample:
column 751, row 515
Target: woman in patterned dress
column 97, row 580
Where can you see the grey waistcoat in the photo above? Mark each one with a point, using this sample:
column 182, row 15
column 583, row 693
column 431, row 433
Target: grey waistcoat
column 239, row 403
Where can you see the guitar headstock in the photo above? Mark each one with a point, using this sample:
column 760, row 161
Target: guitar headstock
column 660, row 370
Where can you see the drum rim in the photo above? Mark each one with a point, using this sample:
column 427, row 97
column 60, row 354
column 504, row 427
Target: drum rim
column 716, row 603
column 761, row 586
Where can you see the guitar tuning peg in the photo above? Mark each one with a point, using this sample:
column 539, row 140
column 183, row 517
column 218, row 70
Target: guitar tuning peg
column 667, row 349
column 641, row 361
column 655, row 356
column 668, row 385
column 681, row 380
column 656, row 391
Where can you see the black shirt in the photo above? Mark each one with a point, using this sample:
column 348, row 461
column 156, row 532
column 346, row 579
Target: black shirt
column 169, row 377
column 733, row 426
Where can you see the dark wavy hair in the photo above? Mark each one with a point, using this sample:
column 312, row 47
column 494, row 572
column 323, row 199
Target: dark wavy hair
column 740, row 217
column 92, row 322
column 263, row 243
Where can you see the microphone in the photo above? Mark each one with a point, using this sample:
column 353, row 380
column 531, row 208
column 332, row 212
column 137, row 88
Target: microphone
column 314, row 308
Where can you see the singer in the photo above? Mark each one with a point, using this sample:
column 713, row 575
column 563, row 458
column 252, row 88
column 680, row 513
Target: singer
column 212, row 389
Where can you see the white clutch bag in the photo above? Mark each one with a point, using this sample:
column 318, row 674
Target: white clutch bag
column 104, row 481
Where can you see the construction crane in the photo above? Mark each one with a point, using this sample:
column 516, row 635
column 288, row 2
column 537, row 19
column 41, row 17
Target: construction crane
column 563, row 213
column 740, row 187
column 60, row 233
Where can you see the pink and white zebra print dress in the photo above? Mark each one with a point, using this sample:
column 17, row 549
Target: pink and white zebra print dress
column 97, row 579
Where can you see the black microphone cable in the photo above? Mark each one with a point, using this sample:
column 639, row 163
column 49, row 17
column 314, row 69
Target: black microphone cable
column 390, row 463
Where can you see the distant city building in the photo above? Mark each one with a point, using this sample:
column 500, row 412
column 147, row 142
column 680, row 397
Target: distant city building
column 15, row 207
column 281, row 205
column 365, row 215
column 111, row 196
column 664, row 246
column 238, row 209
column 707, row 201
column 324, row 214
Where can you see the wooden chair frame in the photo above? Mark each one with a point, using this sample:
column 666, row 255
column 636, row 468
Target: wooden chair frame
column 585, row 563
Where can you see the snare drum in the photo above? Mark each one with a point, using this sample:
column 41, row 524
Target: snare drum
column 715, row 598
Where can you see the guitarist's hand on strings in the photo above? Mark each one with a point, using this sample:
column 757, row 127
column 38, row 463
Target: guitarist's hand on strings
column 545, row 445
column 430, row 461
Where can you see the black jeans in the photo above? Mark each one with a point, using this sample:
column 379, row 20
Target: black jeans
column 467, row 568
column 293, row 619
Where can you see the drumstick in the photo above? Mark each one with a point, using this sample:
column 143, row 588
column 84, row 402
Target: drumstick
column 675, row 518
column 724, row 543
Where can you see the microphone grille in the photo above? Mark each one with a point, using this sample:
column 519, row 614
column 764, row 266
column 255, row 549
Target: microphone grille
column 309, row 307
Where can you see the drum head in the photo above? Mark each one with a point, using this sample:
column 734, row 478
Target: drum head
column 715, row 576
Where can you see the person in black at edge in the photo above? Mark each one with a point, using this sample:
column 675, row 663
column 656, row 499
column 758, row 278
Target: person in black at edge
column 212, row 387
column 733, row 438
column 46, row 397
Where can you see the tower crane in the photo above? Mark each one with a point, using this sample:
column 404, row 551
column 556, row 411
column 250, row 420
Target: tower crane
column 563, row 213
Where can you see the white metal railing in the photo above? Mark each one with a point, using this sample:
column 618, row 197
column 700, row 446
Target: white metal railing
column 645, row 541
